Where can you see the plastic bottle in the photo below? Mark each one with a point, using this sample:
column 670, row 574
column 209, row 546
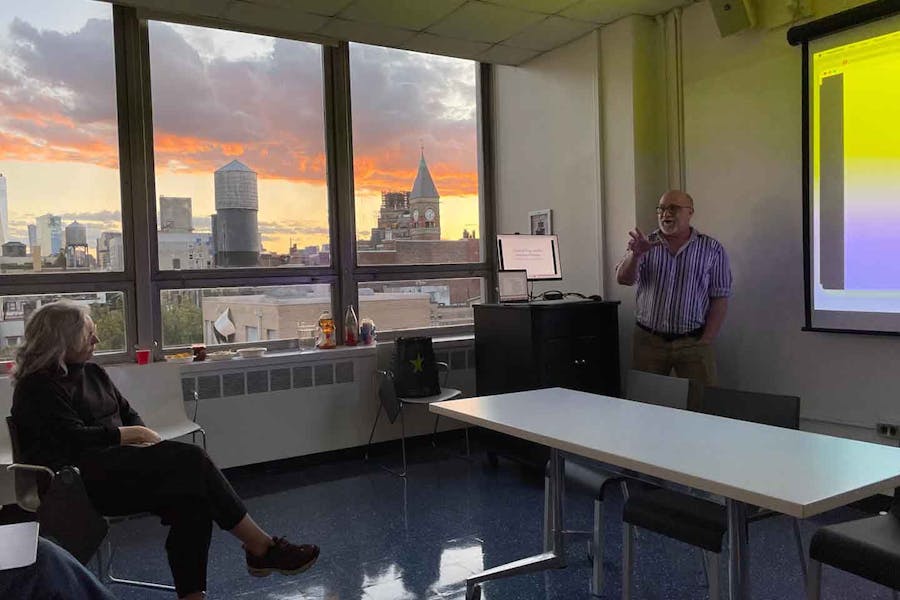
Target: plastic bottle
column 326, row 333
column 351, row 327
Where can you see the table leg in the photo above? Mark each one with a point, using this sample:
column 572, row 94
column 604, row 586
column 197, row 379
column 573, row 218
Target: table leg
column 738, row 557
column 554, row 559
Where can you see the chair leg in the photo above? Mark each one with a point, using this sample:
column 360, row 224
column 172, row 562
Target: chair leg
column 104, row 571
column 627, row 559
column 712, row 574
column 705, row 566
column 548, row 515
column 799, row 539
column 814, row 580
column 403, row 441
column 372, row 433
column 597, row 550
column 437, row 418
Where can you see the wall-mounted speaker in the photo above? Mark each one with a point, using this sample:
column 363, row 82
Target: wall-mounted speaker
column 733, row 15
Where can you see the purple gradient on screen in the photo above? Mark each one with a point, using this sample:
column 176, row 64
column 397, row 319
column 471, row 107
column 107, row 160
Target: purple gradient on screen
column 872, row 239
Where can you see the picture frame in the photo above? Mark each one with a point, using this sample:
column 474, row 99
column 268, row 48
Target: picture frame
column 540, row 222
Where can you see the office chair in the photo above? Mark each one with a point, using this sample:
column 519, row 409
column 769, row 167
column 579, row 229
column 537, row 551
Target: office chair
column 697, row 521
column 155, row 392
column 589, row 476
column 868, row 548
column 66, row 515
column 392, row 404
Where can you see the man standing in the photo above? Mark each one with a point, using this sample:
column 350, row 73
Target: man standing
column 683, row 283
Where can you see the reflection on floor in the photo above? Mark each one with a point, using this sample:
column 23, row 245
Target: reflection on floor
column 386, row 538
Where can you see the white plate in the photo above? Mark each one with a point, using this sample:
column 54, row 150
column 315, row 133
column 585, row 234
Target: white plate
column 251, row 352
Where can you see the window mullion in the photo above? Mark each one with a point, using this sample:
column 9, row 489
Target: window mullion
column 133, row 77
column 340, row 156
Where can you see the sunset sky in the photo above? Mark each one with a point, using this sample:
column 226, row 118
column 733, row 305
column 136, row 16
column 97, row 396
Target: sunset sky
column 219, row 96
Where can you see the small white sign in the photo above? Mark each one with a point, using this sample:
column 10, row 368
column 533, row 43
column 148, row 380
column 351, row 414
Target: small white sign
column 18, row 545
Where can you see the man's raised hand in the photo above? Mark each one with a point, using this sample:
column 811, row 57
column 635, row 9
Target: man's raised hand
column 638, row 244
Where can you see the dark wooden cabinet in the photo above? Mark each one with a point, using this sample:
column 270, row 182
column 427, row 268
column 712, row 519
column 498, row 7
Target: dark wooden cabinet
column 547, row 344
column 570, row 344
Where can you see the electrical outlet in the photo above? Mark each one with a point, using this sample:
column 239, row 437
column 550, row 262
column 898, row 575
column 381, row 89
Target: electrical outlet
column 888, row 430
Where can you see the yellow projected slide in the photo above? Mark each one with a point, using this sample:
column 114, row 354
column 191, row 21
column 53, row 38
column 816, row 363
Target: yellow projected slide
column 855, row 111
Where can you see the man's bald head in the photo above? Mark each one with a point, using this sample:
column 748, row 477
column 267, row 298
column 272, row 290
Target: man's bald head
column 677, row 197
column 674, row 212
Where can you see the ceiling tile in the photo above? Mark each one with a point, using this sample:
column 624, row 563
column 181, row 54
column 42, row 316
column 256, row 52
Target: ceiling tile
column 204, row 8
column 405, row 14
column 270, row 17
column 550, row 33
column 434, row 44
column 507, row 55
column 607, row 11
column 328, row 8
column 547, row 7
column 480, row 22
column 367, row 34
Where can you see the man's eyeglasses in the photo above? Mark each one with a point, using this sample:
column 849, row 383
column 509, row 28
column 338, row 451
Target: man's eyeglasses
column 672, row 208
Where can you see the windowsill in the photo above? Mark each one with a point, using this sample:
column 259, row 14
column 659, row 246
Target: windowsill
column 276, row 356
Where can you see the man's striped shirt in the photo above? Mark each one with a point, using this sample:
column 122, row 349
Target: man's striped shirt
column 673, row 291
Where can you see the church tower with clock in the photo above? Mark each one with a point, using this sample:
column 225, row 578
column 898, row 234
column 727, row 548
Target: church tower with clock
column 424, row 206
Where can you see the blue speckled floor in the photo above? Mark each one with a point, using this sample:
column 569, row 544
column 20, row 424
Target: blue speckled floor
column 384, row 538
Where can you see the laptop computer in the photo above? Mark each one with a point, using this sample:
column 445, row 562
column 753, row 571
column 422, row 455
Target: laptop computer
column 513, row 285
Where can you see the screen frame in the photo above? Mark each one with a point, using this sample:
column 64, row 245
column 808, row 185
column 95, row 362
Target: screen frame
column 554, row 242
column 802, row 35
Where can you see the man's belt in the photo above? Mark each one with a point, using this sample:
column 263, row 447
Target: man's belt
column 669, row 337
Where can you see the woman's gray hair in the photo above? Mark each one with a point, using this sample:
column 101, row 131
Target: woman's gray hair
column 52, row 330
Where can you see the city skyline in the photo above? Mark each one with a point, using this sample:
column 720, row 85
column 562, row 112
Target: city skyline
column 59, row 154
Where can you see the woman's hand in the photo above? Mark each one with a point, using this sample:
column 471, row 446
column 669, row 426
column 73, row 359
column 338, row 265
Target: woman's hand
column 136, row 434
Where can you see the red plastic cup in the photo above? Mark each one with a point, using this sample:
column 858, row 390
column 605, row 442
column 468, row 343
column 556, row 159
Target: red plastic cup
column 142, row 356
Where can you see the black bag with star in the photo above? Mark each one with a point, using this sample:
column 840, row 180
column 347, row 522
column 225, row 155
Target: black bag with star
column 415, row 369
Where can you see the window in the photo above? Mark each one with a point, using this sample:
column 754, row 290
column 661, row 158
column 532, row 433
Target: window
column 218, row 315
column 107, row 309
column 239, row 148
column 415, row 157
column 418, row 304
column 60, row 203
column 265, row 216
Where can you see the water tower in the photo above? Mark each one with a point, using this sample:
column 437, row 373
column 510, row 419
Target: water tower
column 76, row 246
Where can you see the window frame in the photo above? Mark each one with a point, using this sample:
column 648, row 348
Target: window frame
column 142, row 281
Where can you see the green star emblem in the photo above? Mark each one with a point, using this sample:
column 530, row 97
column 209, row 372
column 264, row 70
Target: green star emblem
column 417, row 364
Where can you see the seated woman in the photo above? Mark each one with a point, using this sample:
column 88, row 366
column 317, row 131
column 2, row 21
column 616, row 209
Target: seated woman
column 68, row 412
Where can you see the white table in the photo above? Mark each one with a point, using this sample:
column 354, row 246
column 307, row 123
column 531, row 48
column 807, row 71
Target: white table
column 797, row 473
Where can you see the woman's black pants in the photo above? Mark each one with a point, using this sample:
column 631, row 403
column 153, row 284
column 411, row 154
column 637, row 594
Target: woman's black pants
column 178, row 482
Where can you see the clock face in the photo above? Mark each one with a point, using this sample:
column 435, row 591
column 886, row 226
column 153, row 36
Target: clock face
column 429, row 214
column 416, row 215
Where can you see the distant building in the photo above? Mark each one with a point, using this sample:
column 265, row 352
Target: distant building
column 49, row 234
column 269, row 317
column 235, row 226
column 4, row 212
column 175, row 214
column 185, row 251
column 32, row 237
column 13, row 249
column 105, row 259
column 424, row 204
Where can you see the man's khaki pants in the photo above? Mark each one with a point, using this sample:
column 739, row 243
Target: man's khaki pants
column 689, row 358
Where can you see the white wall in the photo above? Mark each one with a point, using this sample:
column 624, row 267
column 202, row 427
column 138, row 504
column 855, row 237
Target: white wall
column 743, row 158
column 743, row 167
column 546, row 134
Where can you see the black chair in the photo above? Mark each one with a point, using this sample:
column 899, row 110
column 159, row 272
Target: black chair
column 65, row 513
column 591, row 477
column 868, row 548
column 392, row 404
column 698, row 521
